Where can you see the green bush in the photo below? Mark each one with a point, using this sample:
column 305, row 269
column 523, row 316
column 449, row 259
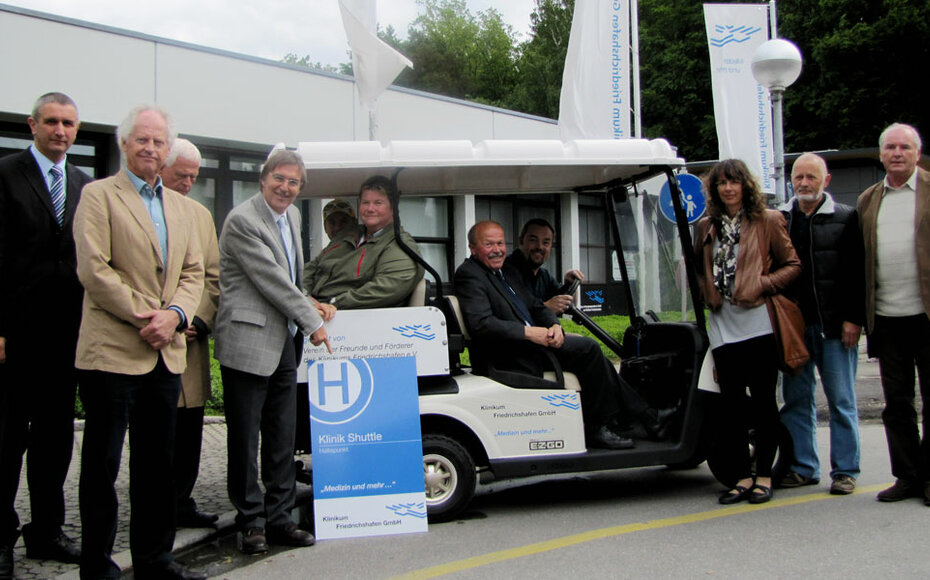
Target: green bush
column 215, row 405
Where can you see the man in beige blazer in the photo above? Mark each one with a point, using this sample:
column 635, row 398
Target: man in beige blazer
column 895, row 218
column 180, row 174
column 140, row 262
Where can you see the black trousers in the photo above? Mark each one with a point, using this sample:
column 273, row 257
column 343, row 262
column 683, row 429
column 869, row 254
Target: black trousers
column 188, row 442
column 147, row 405
column 605, row 397
column 257, row 405
column 902, row 344
column 37, row 392
column 749, row 363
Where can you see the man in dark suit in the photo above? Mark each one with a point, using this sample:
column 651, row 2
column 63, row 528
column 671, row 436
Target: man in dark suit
column 895, row 218
column 140, row 262
column 40, row 312
column 260, row 311
column 510, row 327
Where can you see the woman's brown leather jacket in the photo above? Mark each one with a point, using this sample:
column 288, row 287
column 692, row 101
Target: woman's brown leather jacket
column 751, row 285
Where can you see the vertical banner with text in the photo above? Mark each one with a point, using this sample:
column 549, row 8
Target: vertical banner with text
column 595, row 100
column 742, row 109
column 367, row 451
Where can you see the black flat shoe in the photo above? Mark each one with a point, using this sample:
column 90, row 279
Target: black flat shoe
column 763, row 497
column 742, row 494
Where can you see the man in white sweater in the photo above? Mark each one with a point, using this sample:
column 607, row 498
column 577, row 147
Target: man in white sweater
column 895, row 218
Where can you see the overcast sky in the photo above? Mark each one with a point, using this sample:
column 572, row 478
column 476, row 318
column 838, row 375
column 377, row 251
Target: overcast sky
column 265, row 28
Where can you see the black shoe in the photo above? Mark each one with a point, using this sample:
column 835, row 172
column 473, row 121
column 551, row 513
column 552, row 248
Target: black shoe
column 172, row 571
column 606, row 438
column 927, row 493
column 735, row 495
column 6, row 561
column 658, row 422
column 60, row 547
column 763, row 497
column 290, row 535
column 196, row 519
column 902, row 489
column 252, row 541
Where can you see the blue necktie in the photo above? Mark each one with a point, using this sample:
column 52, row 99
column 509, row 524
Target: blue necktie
column 285, row 231
column 517, row 302
column 57, row 192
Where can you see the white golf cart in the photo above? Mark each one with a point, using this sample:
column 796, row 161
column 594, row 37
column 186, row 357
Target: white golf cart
column 506, row 425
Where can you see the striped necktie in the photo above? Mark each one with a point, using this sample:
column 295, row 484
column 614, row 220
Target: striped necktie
column 57, row 192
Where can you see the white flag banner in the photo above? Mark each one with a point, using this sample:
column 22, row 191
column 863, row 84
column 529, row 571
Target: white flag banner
column 374, row 63
column 595, row 100
column 742, row 108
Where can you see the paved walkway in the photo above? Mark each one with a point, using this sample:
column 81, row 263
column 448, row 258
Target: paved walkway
column 210, row 492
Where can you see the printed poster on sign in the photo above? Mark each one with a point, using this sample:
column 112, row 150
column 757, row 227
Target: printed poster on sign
column 367, row 452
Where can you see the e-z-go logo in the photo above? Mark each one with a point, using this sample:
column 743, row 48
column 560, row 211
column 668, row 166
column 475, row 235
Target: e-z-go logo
column 339, row 390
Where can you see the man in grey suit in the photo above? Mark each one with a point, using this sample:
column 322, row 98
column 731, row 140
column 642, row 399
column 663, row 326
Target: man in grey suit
column 261, row 308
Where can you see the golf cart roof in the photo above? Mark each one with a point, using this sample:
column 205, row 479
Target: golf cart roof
column 338, row 168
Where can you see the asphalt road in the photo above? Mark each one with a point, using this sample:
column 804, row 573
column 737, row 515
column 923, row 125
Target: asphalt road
column 649, row 522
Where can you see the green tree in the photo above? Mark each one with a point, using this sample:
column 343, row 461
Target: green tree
column 459, row 55
column 677, row 102
column 863, row 61
column 542, row 59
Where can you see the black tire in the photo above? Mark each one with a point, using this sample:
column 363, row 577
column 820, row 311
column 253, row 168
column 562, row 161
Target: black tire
column 450, row 477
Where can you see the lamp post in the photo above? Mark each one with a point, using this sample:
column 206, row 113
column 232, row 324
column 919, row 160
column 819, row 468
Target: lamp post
column 775, row 65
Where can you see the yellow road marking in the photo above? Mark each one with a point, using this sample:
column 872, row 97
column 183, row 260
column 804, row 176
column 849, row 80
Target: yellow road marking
column 574, row 539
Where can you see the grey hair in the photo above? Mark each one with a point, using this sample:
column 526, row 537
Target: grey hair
column 129, row 123
column 47, row 98
column 820, row 161
column 881, row 138
column 279, row 157
column 183, row 149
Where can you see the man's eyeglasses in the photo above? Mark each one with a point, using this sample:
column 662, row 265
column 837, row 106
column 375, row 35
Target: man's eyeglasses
column 279, row 179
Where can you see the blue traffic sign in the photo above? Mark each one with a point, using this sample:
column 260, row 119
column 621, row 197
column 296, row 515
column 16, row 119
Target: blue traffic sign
column 692, row 198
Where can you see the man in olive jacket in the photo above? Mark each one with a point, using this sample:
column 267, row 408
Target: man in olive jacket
column 365, row 267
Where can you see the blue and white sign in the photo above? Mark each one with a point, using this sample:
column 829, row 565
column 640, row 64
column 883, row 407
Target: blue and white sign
column 692, row 198
column 367, row 453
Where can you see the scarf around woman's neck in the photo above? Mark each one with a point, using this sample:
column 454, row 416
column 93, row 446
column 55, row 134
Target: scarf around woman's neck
column 725, row 257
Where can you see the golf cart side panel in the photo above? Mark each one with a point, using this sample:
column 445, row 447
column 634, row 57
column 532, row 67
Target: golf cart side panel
column 513, row 422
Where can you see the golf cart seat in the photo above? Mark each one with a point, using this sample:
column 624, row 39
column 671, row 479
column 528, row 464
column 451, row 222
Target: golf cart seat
column 551, row 379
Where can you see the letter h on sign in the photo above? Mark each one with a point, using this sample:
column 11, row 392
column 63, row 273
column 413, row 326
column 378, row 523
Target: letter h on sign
column 342, row 382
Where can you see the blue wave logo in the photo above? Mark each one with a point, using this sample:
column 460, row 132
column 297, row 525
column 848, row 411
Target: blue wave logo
column 421, row 331
column 416, row 509
column 595, row 296
column 729, row 34
column 568, row 400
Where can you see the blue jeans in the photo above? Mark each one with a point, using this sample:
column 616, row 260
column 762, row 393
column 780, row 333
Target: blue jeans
column 837, row 368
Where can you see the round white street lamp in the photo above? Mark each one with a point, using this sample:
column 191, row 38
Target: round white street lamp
column 775, row 65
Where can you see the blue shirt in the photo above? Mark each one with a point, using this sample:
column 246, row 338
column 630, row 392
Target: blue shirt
column 155, row 205
column 153, row 202
column 45, row 165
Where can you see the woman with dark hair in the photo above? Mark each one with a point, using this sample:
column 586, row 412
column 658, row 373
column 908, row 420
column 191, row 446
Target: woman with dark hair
column 743, row 254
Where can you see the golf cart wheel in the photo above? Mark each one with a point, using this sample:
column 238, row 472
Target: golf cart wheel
column 450, row 477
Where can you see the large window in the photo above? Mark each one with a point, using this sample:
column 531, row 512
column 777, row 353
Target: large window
column 428, row 220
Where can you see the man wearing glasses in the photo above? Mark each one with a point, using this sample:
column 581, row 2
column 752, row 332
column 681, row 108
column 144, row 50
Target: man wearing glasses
column 260, row 312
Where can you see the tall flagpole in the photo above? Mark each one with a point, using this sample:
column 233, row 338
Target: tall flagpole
column 634, row 46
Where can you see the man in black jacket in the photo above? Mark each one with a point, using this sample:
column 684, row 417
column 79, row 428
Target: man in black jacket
column 830, row 290
column 40, row 313
column 510, row 327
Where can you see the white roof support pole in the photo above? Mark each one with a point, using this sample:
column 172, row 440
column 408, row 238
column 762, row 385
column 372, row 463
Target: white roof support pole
column 464, row 210
column 570, row 237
